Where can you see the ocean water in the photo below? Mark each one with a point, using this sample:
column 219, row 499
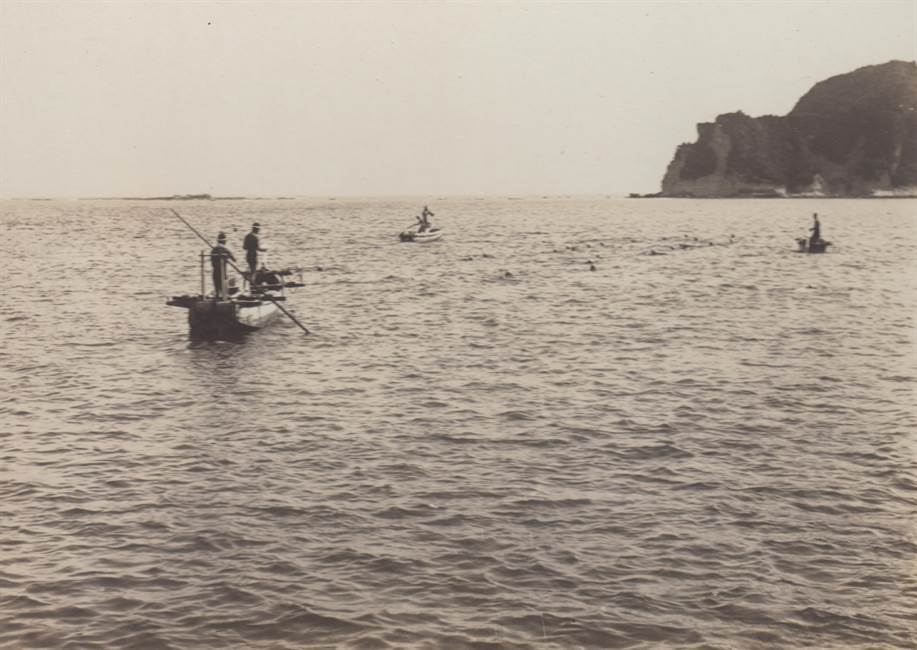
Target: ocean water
column 482, row 444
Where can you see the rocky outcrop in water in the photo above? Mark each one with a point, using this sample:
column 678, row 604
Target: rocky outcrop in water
column 851, row 135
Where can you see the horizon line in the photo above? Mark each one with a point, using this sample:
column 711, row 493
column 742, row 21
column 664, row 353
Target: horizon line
column 320, row 197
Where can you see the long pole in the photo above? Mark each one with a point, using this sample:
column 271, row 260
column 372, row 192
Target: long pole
column 238, row 270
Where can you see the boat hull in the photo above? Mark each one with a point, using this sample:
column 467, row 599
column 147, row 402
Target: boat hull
column 220, row 319
column 421, row 237
column 805, row 246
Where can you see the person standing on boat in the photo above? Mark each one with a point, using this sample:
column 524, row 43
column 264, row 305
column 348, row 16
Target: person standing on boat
column 252, row 246
column 424, row 219
column 816, row 231
column 219, row 255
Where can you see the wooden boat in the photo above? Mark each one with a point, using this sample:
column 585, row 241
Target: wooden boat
column 412, row 235
column 214, row 318
column 236, row 312
column 805, row 246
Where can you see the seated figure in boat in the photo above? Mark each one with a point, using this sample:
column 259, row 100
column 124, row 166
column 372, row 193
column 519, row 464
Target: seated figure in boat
column 219, row 255
column 264, row 276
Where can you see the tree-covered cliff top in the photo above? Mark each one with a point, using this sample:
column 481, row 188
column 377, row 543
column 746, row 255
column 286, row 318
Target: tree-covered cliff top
column 889, row 86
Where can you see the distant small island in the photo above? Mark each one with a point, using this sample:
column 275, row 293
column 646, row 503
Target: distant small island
column 174, row 197
column 188, row 197
column 853, row 135
column 183, row 197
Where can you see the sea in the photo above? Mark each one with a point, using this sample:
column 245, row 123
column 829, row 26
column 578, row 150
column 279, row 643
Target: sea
column 574, row 422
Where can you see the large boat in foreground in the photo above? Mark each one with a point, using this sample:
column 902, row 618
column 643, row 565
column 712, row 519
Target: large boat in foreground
column 227, row 314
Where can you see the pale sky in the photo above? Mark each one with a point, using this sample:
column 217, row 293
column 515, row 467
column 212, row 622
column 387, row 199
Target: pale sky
column 401, row 98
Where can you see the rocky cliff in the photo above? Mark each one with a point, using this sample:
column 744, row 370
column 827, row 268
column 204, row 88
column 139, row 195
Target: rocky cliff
column 851, row 135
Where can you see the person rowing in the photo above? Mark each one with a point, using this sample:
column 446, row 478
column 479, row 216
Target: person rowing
column 423, row 221
column 816, row 231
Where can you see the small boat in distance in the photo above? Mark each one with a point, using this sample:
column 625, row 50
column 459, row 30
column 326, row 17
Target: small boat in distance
column 807, row 246
column 226, row 315
column 813, row 244
column 414, row 235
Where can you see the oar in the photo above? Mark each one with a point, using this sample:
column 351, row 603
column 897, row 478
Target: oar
column 239, row 271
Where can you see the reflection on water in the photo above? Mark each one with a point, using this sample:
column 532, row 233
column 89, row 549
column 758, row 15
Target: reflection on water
column 483, row 442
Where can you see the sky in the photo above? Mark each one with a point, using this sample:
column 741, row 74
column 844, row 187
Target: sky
column 343, row 99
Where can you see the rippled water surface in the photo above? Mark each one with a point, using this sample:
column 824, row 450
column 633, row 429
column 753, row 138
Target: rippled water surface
column 483, row 443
